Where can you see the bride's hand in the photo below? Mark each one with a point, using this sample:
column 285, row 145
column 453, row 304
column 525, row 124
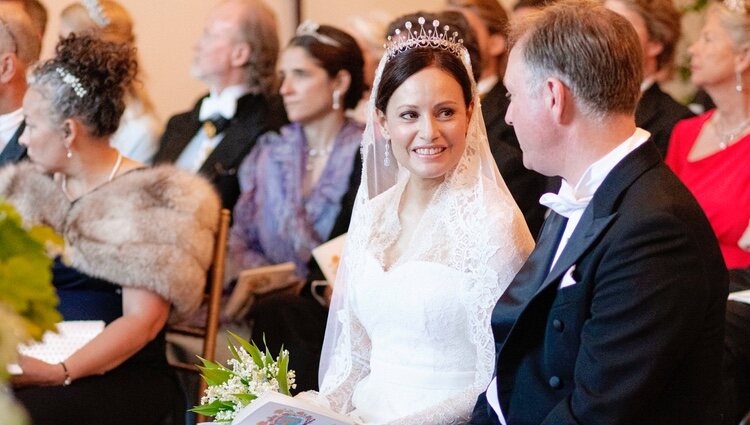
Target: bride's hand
column 744, row 241
column 315, row 398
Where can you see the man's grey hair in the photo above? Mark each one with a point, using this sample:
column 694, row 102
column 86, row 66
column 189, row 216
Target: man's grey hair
column 595, row 52
column 259, row 29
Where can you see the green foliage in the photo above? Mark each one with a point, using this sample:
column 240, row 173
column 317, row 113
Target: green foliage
column 25, row 272
column 253, row 372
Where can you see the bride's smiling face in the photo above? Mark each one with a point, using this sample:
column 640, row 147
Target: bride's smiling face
column 426, row 120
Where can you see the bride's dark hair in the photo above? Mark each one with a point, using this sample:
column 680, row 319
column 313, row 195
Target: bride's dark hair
column 405, row 64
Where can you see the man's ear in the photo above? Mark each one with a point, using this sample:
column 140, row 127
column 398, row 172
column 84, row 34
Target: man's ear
column 556, row 96
column 8, row 67
column 240, row 54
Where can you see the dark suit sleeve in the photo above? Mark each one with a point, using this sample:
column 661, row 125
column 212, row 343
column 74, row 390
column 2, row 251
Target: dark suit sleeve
column 652, row 298
column 481, row 414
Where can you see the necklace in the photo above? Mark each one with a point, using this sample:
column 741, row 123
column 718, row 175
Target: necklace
column 727, row 136
column 112, row 174
column 317, row 152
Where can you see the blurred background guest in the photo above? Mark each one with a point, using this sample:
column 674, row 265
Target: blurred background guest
column 657, row 24
column 298, row 186
column 138, row 135
column 138, row 241
column 489, row 21
column 236, row 57
column 524, row 7
column 710, row 153
column 19, row 49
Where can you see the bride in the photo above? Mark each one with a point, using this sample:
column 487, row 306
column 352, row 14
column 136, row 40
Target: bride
column 435, row 239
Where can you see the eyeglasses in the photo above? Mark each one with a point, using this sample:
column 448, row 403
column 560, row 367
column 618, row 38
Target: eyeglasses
column 10, row 36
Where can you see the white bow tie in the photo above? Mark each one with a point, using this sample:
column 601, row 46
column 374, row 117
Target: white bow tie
column 211, row 106
column 565, row 203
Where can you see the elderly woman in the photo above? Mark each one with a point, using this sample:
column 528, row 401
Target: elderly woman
column 710, row 153
column 137, row 137
column 138, row 241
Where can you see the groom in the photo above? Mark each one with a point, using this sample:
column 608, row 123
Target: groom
column 618, row 315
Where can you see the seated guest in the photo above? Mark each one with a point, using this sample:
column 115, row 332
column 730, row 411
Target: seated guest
column 489, row 22
column 657, row 24
column 236, row 57
column 138, row 240
column 137, row 137
column 617, row 317
column 19, row 49
column 297, row 184
column 710, row 153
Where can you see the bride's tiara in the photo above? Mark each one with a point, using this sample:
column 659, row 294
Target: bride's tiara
column 433, row 37
column 737, row 6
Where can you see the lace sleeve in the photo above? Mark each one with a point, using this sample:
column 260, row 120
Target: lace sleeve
column 351, row 363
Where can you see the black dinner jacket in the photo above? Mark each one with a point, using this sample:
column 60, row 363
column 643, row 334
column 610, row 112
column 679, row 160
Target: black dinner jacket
column 638, row 338
column 255, row 115
column 525, row 185
column 658, row 113
column 14, row 151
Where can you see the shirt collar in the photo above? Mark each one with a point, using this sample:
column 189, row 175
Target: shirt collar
column 575, row 198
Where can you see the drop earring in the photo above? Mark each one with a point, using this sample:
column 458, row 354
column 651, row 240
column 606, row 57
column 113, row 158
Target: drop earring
column 387, row 153
column 738, row 82
column 336, row 102
column 69, row 153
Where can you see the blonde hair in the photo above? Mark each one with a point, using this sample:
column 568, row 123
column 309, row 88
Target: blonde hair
column 118, row 30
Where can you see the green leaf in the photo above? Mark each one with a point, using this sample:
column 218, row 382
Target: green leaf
column 215, row 376
column 251, row 348
column 281, row 378
column 245, row 398
column 213, row 408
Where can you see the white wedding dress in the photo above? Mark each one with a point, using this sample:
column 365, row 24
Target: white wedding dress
column 421, row 353
column 410, row 342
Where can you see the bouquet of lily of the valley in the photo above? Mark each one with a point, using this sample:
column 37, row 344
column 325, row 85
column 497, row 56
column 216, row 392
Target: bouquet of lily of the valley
column 253, row 373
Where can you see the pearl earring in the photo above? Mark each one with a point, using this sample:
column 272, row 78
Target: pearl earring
column 69, row 153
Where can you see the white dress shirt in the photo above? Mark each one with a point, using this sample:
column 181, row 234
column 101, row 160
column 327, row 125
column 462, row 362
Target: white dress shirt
column 571, row 202
column 200, row 147
column 8, row 125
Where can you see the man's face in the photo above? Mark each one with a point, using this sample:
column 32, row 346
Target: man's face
column 214, row 49
column 528, row 114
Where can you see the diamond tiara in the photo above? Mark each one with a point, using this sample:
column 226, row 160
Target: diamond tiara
column 737, row 6
column 402, row 41
column 310, row 29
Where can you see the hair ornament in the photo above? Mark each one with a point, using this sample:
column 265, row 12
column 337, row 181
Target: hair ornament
column 310, row 29
column 737, row 6
column 96, row 13
column 410, row 38
column 72, row 81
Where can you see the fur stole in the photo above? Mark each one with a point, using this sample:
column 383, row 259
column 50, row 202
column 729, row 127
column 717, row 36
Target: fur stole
column 151, row 228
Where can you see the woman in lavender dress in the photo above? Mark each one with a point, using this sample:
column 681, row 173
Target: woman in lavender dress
column 298, row 187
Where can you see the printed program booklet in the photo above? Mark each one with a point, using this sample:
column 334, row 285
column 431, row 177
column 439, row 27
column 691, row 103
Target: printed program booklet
column 257, row 281
column 274, row 408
